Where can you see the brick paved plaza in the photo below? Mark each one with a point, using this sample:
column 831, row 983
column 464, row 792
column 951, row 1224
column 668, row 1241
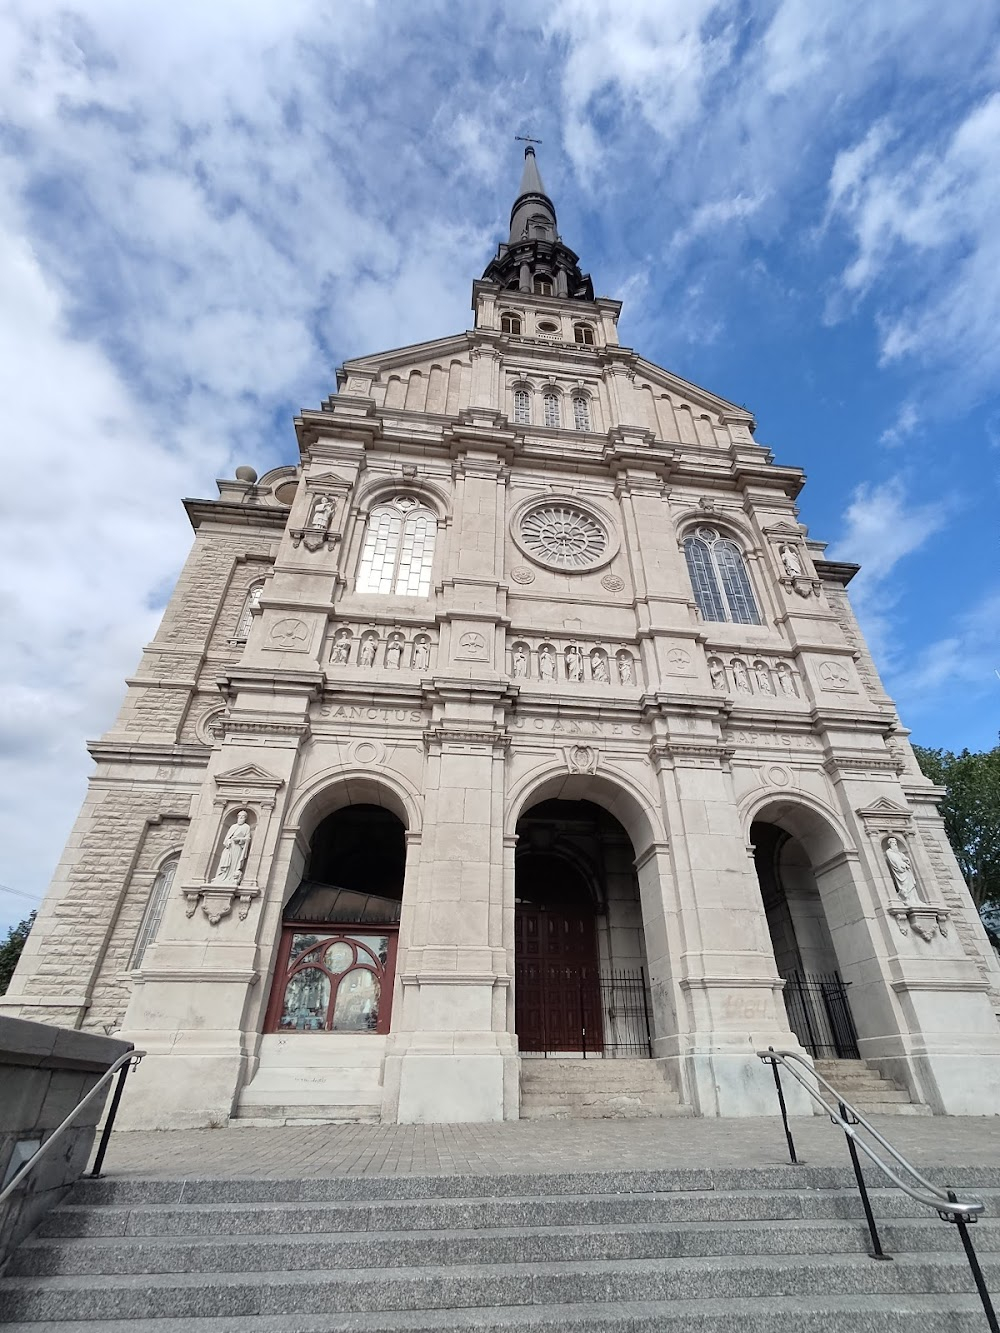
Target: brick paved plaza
column 532, row 1146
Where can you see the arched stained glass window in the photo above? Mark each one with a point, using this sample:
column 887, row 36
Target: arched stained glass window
column 581, row 413
column 522, row 407
column 250, row 604
column 550, row 404
column 153, row 914
column 398, row 554
column 719, row 578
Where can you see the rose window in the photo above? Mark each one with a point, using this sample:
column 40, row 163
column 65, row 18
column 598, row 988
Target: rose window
column 563, row 536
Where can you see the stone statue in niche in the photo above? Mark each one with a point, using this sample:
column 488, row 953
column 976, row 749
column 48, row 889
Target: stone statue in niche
column 342, row 650
column 763, row 678
column 625, row 672
column 367, row 655
column 394, row 654
column 599, row 666
column 785, row 681
column 741, row 677
column 790, row 559
column 717, row 672
column 901, row 869
column 520, row 661
column 322, row 513
column 421, row 655
column 235, row 846
column 574, row 663
column 547, row 664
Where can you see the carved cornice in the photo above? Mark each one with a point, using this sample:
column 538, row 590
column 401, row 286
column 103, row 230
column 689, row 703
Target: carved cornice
column 443, row 736
column 267, row 517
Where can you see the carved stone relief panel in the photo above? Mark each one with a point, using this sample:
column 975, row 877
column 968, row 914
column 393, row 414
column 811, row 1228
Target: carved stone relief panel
column 384, row 647
column 747, row 673
column 571, row 662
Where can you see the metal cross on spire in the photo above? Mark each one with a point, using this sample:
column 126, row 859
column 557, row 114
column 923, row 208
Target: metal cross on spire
column 525, row 138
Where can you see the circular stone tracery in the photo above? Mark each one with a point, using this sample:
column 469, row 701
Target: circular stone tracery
column 563, row 536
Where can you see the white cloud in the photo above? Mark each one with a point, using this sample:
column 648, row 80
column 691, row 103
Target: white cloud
column 967, row 658
column 906, row 423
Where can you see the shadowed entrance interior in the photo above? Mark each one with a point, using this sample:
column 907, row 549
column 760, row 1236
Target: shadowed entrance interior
column 580, row 964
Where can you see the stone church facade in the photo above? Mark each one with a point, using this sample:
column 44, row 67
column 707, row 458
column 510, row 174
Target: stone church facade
column 520, row 718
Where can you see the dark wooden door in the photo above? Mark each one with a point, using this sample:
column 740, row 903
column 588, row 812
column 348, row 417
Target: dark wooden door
column 557, row 998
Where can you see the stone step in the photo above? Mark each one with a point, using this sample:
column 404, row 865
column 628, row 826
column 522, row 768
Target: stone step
column 618, row 1107
column 249, row 1253
column 156, row 1296
column 779, row 1314
column 466, row 1214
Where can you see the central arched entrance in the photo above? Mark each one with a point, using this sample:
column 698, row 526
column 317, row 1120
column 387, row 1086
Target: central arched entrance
column 581, row 977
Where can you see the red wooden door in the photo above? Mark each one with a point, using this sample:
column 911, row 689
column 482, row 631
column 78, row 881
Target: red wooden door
column 557, row 1000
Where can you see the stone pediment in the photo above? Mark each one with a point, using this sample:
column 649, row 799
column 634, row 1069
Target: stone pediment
column 783, row 530
column 692, row 394
column 249, row 776
column 885, row 814
column 401, row 360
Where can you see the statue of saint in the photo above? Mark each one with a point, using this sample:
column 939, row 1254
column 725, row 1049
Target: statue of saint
column 520, row 662
column 547, row 664
column 790, row 559
column 367, row 655
column 574, row 663
column 785, row 678
column 625, row 672
column 394, row 654
column 322, row 513
column 599, row 666
column 741, row 677
column 901, row 869
column 717, row 672
column 421, row 655
column 342, row 651
column 235, row 846
column 763, row 678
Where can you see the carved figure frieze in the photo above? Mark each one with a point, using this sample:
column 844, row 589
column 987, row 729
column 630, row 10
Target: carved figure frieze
column 316, row 533
column 392, row 649
column 572, row 662
column 752, row 675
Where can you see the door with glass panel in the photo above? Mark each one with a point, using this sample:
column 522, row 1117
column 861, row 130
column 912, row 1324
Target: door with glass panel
column 333, row 979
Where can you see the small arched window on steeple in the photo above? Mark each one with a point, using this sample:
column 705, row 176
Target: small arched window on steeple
column 398, row 554
column 719, row 578
column 550, row 408
column 522, row 407
column 510, row 324
column 542, row 285
column 581, row 412
column 583, row 333
column 153, row 914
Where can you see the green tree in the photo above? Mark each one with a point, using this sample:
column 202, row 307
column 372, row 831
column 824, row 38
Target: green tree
column 971, row 813
column 10, row 950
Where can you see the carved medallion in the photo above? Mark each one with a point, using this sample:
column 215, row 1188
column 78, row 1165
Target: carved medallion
column 289, row 634
column 522, row 575
column 613, row 583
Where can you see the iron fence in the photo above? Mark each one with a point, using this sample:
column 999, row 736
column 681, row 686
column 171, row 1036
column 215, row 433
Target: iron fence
column 566, row 1009
column 819, row 1014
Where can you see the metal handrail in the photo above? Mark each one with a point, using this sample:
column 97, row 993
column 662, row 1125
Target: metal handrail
column 122, row 1065
column 945, row 1203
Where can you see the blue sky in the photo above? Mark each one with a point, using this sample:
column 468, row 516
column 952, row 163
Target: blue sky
column 205, row 207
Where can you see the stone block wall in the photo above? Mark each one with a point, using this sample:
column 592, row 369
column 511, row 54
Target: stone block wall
column 44, row 1072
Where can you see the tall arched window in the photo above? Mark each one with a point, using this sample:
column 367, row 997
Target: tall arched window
column 510, row 324
column 542, row 285
column 522, row 407
column 250, row 604
column 719, row 578
column 550, row 406
column 153, row 914
column 398, row 553
column 581, row 413
column 583, row 333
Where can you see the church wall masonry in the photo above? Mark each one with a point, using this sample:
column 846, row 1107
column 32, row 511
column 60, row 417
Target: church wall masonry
column 516, row 565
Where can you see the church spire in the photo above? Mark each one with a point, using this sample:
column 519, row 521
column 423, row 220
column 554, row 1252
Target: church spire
column 534, row 258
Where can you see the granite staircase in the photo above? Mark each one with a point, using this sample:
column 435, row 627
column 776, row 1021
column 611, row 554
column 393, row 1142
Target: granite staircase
column 869, row 1090
column 561, row 1089
column 764, row 1250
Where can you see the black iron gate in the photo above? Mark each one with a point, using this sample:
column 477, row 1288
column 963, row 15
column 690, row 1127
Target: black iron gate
column 820, row 1016
column 600, row 1014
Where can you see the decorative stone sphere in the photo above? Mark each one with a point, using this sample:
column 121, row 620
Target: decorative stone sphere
column 246, row 473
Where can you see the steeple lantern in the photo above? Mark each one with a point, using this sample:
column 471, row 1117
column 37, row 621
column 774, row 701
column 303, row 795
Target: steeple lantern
column 534, row 259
